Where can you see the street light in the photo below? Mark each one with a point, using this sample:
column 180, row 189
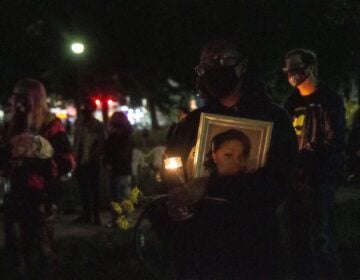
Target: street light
column 77, row 48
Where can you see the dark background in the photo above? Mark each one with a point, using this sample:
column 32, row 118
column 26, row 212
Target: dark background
column 135, row 46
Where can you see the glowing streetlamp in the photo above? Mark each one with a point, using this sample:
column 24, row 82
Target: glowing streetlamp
column 77, row 48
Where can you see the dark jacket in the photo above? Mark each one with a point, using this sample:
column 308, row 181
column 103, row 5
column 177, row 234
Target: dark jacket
column 321, row 130
column 273, row 181
column 118, row 152
column 88, row 141
column 243, row 234
column 35, row 174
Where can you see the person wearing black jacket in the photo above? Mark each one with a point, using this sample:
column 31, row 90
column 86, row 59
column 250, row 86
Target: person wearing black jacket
column 319, row 121
column 238, row 241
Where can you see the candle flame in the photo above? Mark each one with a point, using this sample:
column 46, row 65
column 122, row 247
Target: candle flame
column 173, row 163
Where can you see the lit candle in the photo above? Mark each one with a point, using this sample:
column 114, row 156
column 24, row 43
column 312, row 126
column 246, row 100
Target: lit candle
column 174, row 164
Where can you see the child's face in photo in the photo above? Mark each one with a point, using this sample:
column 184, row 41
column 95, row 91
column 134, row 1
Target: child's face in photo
column 229, row 158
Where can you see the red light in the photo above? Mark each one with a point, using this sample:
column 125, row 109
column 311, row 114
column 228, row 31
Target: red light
column 110, row 102
column 97, row 102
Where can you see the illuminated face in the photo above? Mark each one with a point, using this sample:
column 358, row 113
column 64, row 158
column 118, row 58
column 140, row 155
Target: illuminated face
column 296, row 70
column 229, row 158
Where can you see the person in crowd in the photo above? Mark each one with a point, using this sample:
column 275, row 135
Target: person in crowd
column 118, row 150
column 319, row 122
column 89, row 139
column 138, row 164
column 353, row 149
column 157, row 155
column 181, row 114
column 241, row 239
column 38, row 152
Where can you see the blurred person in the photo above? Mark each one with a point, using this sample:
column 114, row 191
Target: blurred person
column 145, row 134
column 181, row 114
column 353, row 149
column 240, row 239
column 89, row 136
column 38, row 152
column 157, row 155
column 138, row 163
column 118, row 151
column 319, row 122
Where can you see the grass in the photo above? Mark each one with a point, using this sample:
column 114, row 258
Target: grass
column 112, row 256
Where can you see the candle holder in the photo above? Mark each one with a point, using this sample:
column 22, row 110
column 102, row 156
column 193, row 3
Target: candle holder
column 175, row 176
column 174, row 170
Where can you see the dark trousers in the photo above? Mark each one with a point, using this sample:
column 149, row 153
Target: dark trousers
column 211, row 246
column 87, row 176
column 29, row 236
column 311, row 227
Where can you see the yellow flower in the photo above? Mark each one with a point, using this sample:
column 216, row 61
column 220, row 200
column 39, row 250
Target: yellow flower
column 117, row 208
column 128, row 206
column 122, row 222
column 135, row 194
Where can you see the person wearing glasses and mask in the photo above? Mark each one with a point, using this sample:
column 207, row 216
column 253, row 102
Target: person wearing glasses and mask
column 244, row 245
column 319, row 122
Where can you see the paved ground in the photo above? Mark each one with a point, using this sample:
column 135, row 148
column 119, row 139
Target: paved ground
column 65, row 226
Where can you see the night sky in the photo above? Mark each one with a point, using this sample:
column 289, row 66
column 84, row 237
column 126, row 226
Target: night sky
column 136, row 46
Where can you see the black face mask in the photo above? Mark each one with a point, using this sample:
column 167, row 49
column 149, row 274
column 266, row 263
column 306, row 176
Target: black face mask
column 297, row 76
column 218, row 82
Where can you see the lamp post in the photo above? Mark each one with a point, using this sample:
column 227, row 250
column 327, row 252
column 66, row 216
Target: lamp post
column 77, row 48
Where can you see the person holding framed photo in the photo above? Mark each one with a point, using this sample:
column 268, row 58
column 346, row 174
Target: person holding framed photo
column 239, row 240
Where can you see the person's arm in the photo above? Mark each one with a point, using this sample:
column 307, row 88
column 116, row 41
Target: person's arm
column 63, row 159
column 334, row 132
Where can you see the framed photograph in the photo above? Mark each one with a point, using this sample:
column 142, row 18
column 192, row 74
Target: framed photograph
column 254, row 137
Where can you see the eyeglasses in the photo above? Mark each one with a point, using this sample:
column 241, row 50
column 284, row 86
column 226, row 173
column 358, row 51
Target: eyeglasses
column 299, row 69
column 216, row 62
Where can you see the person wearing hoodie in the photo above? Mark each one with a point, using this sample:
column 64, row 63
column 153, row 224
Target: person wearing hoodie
column 241, row 238
column 118, row 150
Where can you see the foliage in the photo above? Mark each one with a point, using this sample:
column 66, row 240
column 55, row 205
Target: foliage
column 166, row 42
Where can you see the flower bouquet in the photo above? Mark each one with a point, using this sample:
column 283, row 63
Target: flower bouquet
column 124, row 208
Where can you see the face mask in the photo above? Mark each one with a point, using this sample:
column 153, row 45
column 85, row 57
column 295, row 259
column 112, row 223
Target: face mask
column 297, row 77
column 218, row 82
